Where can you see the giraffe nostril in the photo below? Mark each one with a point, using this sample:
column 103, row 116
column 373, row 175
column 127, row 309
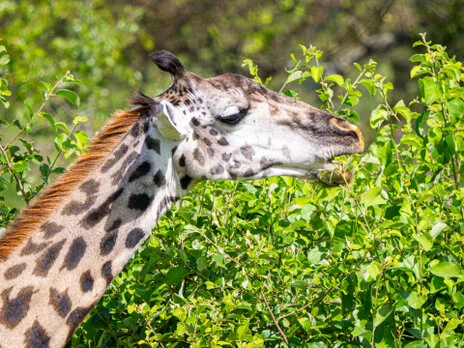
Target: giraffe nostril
column 345, row 128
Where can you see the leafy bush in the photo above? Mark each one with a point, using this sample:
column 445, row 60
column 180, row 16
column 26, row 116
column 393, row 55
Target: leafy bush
column 285, row 262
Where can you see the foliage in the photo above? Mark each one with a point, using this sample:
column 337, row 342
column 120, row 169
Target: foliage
column 19, row 155
column 283, row 262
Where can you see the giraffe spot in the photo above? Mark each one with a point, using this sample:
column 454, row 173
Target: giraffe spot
column 50, row 229
column 33, row 248
column 182, row 161
column 76, row 208
column 135, row 130
column 173, row 150
column 107, row 243
column 210, row 152
column 185, row 181
column 142, row 170
column 60, row 301
column 226, row 156
column 121, row 151
column 76, row 317
column 139, row 201
column 153, row 144
column 146, row 127
column 164, row 203
column 219, row 169
column 114, row 225
column 236, row 164
column 195, row 121
column 198, row 156
column 207, row 142
column 47, row 259
column 134, row 237
column 86, row 281
column 94, row 216
column 90, row 187
column 213, row 131
column 15, row 309
column 106, row 272
column 223, row 141
column 247, row 152
column 14, row 271
column 75, row 253
column 36, row 336
column 118, row 174
column 159, row 179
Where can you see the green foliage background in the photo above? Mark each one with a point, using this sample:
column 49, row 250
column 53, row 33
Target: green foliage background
column 277, row 262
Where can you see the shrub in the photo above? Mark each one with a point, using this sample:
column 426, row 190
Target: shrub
column 285, row 262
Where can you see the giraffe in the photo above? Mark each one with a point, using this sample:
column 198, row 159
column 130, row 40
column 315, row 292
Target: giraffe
column 64, row 250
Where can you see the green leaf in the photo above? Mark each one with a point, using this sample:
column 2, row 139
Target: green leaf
column 5, row 59
column 415, row 301
column 437, row 228
column 175, row 275
column 338, row 79
column 294, row 76
column 429, row 90
column 446, row 270
column 317, row 72
column 70, row 96
column 374, row 197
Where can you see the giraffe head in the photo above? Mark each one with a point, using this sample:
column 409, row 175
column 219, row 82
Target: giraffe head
column 229, row 127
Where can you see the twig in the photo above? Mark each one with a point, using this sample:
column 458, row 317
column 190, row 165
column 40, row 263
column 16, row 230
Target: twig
column 276, row 322
column 10, row 169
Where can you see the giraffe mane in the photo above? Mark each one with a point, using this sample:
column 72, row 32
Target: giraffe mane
column 35, row 214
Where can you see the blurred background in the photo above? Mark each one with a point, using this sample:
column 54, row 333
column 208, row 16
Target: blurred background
column 106, row 44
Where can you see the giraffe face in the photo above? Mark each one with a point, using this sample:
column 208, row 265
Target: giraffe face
column 229, row 127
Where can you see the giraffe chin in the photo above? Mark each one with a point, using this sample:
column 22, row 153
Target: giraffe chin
column 333, row 174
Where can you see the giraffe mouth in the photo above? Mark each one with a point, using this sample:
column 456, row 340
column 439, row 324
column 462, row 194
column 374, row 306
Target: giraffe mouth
column 333, row 173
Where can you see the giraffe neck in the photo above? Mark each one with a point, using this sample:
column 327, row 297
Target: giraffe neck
column 50, row 282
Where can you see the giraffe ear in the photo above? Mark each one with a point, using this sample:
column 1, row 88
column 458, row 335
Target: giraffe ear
column 170, row 122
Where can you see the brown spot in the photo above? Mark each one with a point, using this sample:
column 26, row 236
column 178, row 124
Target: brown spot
column 47, row 259
column 159, row 179
column 139, row 201
column 182, row 161
column 198, row 156
column 50, row 229
column 153, row 144
column 117, row 155
column 94, row 216
column 134, row 237
column 90, row 187
column 14, row 271
column 219, row 169
column 75, row 253
column 118, row 174
column 76, row 208
column 247, row 152
column 36, row 337
column 106, row 272
column 86, row 280
column 33, row 248
column 142, row 170
column 226, row 156
column 15, row 309
column 60, row 301
column 223, row 141
column 107, row 243
column 185, row 181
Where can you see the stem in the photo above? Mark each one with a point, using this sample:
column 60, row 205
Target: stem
column 355, row 83
column 276, row 322
column 39, row 110
column 286, row 82
column 13, row 174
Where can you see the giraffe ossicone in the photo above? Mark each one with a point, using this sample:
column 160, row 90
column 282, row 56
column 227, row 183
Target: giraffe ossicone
column 64, row 250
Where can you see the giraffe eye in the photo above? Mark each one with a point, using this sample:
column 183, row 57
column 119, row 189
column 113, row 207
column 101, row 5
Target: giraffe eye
column 233, row 118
